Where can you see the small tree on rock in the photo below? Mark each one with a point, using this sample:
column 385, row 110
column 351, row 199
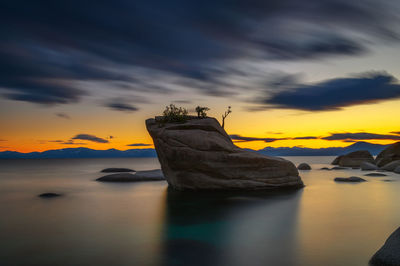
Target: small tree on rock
column 227, row 112
column 202, row 111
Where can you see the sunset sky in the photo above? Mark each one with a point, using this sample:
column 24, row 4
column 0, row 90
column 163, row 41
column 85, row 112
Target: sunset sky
column 317, row 73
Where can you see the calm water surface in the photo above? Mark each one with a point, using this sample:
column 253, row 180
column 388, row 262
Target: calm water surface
column 93, row 223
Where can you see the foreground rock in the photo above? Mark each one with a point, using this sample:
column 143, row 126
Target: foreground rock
column 351, row 179
column 366, row 166
column 354, row 159
column 151, row 175
column 389, row 253
column 117, row 170
column 391, row 166
column 390, row 154
column 375, row 174
column 199, row 154
column 49, row 195
column 338, row 168
column 304, row 166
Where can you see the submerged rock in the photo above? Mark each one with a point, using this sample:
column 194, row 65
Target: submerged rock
column 390, row 154
column 49, row 195
column 354, row 159
column 304, row 166
column 117, row 170
column 389, row 253
column 150, row 175
column 352, row 179
column 391, row 166
column 366, row 166
column 325, row 168
column 199, row 154
column 375, row 174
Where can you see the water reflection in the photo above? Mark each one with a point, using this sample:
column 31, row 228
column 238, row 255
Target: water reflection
column 226, row 228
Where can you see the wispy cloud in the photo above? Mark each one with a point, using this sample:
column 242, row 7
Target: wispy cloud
column 335, row 94
column 63, row 115
column 361, row 136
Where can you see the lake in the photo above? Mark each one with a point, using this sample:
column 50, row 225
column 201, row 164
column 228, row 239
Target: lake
column 94, row 223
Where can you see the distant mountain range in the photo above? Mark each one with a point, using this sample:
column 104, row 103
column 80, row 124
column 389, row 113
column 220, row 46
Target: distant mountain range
column 140, row 153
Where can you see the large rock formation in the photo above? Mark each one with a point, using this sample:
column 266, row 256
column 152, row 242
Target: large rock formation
column 389, row 253
column 391, row 166
column 366, row 166
column 199, row 154
column 354, row 159
column 390, row 154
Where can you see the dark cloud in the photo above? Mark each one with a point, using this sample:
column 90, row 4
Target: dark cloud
column 360, row 136
column 308, row 137
column 139, row 145
column 395, row 132
column 242, row 138
column 2, row 140
column 122, row 107
column 90, row 138
column 47, row 46
column 336, row 93
column 63, row 115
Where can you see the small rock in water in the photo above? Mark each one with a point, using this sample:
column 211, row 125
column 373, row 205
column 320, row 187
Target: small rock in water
column 397, row 170
column 117, row 170
column 375, row 174
column 338, row 168
column 366, row 166
column 391, row 166
column 352, row 179
column 389, row 253
column 388, row 180
column 325, row 168
column 49, row 195
column 150, row 175
column 304, row 166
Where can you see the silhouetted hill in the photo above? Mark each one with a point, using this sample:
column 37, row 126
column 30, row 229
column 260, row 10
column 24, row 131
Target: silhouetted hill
column 79, row 153
column 333, row 151
column 140, row 153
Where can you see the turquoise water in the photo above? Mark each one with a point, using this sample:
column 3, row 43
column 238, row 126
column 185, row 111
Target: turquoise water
column 93, row 223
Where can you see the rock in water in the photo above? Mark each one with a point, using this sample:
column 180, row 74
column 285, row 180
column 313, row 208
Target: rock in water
column 351, row 179
column 304, row 166
column 336, row 161
column 391, row 166
column 365, row 166
column 389, row 253
column 150, row 175
column 397, row 170
column 199, row 154
column 390, row 154
column 49, row 195
column 375, row 174
column 354, row 159
column 117, row 170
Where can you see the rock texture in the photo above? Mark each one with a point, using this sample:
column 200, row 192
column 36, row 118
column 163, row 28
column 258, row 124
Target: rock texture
column 366, row 166
column 150, row 175
column 391, row 166
column 304, row 166
column 199, row 155
column 375, row 174
column 351, row 179
column 117, row 170
column 389, row 253
column 354, row 159
column 390, row 154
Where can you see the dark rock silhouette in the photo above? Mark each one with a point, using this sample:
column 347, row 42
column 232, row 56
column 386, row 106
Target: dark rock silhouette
column 117, row 170
column 366, row 166
column 199, row 155
column 49, row 195
column 304, row 166
column 391, row 166
column 389, row 253
column 354, row 159
column 351, row 179
column 390, row 154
